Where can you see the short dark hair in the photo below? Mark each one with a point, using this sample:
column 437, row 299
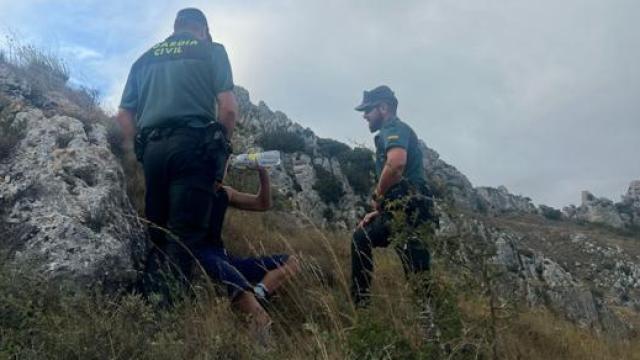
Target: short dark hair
column 190, row 19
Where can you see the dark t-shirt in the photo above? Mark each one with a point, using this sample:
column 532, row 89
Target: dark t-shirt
column 396, row 133
column 220, row 206
column 175, row 83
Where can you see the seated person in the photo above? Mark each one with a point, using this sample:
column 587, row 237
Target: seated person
column 249, row 280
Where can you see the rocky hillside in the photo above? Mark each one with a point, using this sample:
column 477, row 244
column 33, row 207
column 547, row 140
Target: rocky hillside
column 63, row 206
column 589, row 274
column 305, row 155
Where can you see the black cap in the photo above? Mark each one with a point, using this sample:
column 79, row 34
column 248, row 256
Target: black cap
column 192, row 14
column 375, row 96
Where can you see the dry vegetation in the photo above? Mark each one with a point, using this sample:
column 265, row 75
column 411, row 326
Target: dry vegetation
column 313, row 317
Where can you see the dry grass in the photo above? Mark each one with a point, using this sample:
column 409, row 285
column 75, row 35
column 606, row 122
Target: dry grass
column 313, row 316
column 537, row 334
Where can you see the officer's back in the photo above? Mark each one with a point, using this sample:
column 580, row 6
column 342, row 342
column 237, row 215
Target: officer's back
column 177, row 81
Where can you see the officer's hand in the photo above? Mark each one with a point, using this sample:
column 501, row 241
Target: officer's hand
column 368, row 218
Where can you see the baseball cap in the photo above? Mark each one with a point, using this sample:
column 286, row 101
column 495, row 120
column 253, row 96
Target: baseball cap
column 375, row 96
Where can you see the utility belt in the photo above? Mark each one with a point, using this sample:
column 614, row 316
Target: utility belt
column 405, row 188
column 213, row 147
column 415, row 199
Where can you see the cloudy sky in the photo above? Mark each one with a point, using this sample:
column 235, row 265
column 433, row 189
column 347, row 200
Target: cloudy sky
column 540, row 96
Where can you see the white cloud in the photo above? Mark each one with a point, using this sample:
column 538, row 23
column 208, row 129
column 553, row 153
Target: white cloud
column 79, row 53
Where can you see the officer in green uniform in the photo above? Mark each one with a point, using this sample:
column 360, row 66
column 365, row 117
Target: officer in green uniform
column 179, row 104
column 401, row 187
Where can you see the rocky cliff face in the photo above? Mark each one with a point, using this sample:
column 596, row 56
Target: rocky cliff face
column 579, row 273
column 63, row 208
column 295, row 180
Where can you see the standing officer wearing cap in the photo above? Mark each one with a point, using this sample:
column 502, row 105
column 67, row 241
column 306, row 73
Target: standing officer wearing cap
column 179, row 104
column 401, row 187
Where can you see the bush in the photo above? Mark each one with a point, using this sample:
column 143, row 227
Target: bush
column 328, row 186
column 282, row 140
column 48, row 76
column 550, row 213
column 42, row 69
column 11, row 131
column 328, row 214
column 372, row 338
column 358, row 166
column 331, row 148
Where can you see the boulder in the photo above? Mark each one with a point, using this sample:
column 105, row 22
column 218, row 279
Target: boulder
column 500, row 200
column 64, row 194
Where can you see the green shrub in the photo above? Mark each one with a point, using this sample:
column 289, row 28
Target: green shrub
column 328, row 186
column 372, row 338
column 550, row 213
column 11, row 131
column 282, row 140
column 331, row 148
column 328, row 214
column 358, row 167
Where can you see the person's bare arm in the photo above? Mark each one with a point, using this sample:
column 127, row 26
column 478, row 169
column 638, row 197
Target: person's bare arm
column 227, row 111
column 392, row 170
column 253, row 202
column 125, row 119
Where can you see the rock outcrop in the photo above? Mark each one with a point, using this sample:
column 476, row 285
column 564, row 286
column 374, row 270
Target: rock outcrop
column 63, row 205
column 625, row 214
column 295, row 180
column 500, row 200
column 589, row 283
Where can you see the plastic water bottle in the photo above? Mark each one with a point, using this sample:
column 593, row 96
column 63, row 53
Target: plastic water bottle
column 267, row 159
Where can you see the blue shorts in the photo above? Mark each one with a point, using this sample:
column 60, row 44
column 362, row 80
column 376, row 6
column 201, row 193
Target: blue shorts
column 238, row 274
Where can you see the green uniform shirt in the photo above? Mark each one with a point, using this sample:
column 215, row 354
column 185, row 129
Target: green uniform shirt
column 175, row 83
column 396, row 133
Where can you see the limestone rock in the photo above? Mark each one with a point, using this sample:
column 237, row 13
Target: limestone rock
column 587, row 296
column 597, row 210
column 63, row 205
column 500, row 200
column 445, row 178
column 296, row 177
